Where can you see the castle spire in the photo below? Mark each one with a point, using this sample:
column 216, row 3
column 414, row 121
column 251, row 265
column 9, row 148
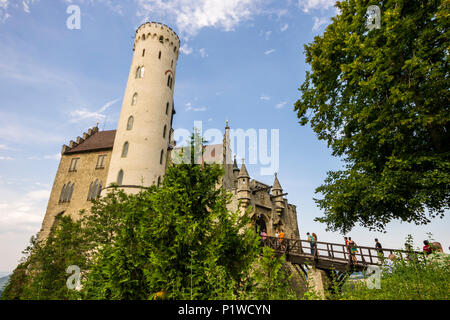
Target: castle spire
column 243, row 172
column 276, row 184
column 235, row 166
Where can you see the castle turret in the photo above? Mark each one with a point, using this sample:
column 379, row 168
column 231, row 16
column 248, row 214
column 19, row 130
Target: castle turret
column 143, row 135
column 235, row 169
column 277, row 195
column 243, row 188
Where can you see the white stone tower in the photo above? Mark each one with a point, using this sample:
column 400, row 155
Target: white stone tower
column 141, row 145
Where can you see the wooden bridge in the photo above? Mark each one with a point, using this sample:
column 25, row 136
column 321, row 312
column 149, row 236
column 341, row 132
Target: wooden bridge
column 329, row 256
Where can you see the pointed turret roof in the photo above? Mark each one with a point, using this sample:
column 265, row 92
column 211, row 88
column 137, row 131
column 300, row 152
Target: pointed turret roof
column 276, row 183
column 243, row 173
column 235, row 166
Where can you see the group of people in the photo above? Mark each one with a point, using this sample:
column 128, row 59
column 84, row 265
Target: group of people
column 278, row 234
column 350, row 245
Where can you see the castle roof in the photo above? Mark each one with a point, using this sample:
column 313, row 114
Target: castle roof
column 101, row 140
column 243, row 173
column 276, row 184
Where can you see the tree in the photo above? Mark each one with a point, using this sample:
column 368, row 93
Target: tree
column 175, row 241
column 380, row 99
column 41, row 275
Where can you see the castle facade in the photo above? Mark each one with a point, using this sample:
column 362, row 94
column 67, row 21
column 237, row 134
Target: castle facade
column 138, row 153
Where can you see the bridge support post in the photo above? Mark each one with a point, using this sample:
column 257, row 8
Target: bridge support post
column 318, row 281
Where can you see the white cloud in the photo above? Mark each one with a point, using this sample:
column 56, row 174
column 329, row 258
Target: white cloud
column 267, row 52
column 189, row 107
column 22, row 211
column 6, row 5
column 84, row 114
column 203, row 53
column 281, row 105
column 4, row 147
column 6, row 158
column 53, row 157
column 264, row 97
column 192, row 16
column 186, row 49
column 284, row 28
column 307, row 5
column 318, row 22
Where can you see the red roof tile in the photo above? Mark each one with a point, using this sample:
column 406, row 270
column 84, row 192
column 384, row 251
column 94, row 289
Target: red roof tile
column 101, row 140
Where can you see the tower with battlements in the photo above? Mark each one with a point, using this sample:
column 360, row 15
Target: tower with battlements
column 140, row 149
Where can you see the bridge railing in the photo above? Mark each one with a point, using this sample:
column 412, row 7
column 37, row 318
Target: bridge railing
column 334, row 251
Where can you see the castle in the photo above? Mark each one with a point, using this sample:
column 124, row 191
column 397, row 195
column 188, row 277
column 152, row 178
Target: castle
column 137, row 154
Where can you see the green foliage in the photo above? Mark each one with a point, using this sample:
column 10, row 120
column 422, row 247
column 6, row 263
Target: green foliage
column 415, row 279
column 380, row 99
column 413, row 276
column 173, row 241
column 42, row 272
column 269, row 280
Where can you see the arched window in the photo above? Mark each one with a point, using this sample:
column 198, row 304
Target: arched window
column 174, row 49
column 125, row 150
column 120, row 178
column 142, row 72
column 99, row 190
column 89, row 197
column 169, row 81
column 95, row 190
column 164, row 131
column 161, row 39
column 68, row 192
column 61, row 196
column 159, row 55
column 167, row 108
column 143, row 52
column 161, row 158
column 138, row 72
column 130, row 123
column 134, row 101
column 143, row 37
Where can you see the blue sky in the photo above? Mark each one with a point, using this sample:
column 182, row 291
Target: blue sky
column 241, row 60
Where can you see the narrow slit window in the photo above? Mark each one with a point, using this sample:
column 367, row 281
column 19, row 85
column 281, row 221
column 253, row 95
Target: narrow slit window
column 159, row 55
column 162, row 156
column 130, row 123
column 134, row 101
column 120, row 178
column 167, row 108
column 125, row 149
column 164, row 131
column 138, row 72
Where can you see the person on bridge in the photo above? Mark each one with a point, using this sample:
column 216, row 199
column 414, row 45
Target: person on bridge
column 311, row 242
column 314, row 236
column 346, row 244
column 379, row 250
column 427, row 249
column 263, row 235
column 281, row 236
column 353, row 249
